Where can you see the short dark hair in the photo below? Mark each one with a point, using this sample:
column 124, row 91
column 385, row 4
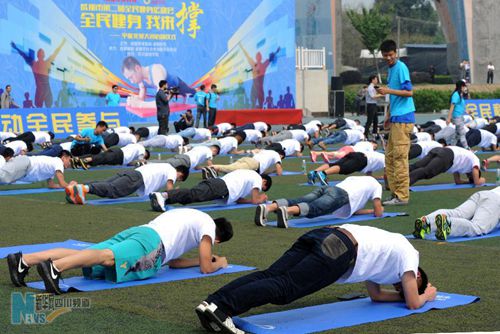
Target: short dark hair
column 129, row 63
column 269, row 181
column 217, row 147
column 147, row 155
column 184, row 170
column 242, row 134
column 189, row 110
column 223, row 229
column 202, row 87
column 301, row 147
column 214, row 86
column 269, row 127
column 102, row 123
column 185, row 140
column 162, row 83
column 114, row 86
column 371, row 77
column 388, row 45
column 7, row 86
column 8, row 153
column 132, row 129
column 281, row 152
column 425, row 281
column 65, row 153
column 51, row 134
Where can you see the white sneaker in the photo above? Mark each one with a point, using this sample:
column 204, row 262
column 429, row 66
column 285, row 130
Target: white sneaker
column 395, row 201
column 261, row 215
column 224, row 322
column 157, row 202
column 204, row 319
column 282, row 217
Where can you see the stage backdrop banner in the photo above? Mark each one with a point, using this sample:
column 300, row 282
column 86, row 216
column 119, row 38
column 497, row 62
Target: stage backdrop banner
column 483, row 108
column 68, row 53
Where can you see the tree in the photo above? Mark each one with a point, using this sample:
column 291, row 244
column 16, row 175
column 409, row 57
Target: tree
column 373, row 26
column 412, row 9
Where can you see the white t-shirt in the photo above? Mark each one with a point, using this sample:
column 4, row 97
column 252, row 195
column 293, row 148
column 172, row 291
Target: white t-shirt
column 267, row 159
column 376, row 161
column 383, row 257
column 199, row 154
column 41, row 137
column 6, row 135
column 467, row 118
column 18, row 146
column 252, row 136
column 353, row 136
column 427, row 146
column 240, row 184
column 126, row 138
column 202, row 134
column 360, row 128
column 350, row 124
column 439, row 122
column 43, row 168
column 299, row 135
column 132, row 152
column 480, row 122
column 173, row 141
column 423, row 136
column 260, row 126
column 498, row 129
column 464, row 160
column 290, row 146
column 66, row 146
column 121, row 129
column 227, row 144
column 312, row 127
column 155, row 176
column 363, row 146
column 2, row 161
column 361, row 189
column 223, row 127
column 153, row 131
column 181, row 230
column 487, row 139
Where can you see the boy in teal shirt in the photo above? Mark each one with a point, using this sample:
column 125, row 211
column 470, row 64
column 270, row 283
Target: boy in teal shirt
column 457, row 112
column 213, row 97
column 201, row 106
column 113, row 98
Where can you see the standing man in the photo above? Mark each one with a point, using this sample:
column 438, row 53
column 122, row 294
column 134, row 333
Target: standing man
column 491, row 70
column 213, row 97
column 162, row 107
column 6, row 100
column 399, row 120
column 201, row 106
column 113, row 98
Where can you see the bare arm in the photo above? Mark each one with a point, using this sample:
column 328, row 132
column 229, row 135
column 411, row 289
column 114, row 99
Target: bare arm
column 208, row 262
column 56, row 52
column 60, row 179
column 80, row 138
column 448, row 119
column 279, row 169
column 170, row 185
column 257, row 198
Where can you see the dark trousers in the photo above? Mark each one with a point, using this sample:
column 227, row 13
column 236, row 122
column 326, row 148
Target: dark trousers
column 295, row 127
column 438, row 161
column 339, row 123
column 212, row 113
column 274, row 147
column 112, row 156
column 352, row 162
column 317, row 259
column 207, row 190
column 372, row 118
column 111, row 140
column 27, row 137
column 201, row 111
column 85, row 149
column 489, row 78
column 181, row 125
column 120, row 185
column 53, row 151
column 415, row 151
column 430, row 127
column 248, row 126
column 163, row 124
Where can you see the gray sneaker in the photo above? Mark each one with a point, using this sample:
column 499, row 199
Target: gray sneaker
column 282, row 217
column 395, row 201
column 261, row 215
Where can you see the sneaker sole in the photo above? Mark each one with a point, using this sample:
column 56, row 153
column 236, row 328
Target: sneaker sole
column 214, row 319
column 420, row 231
column 70, row 196
column 154, row 203
column 78, row 199
column 441, row 231
column 49, row 284
column 205, row 321
column 280, row 222
column 204, row 174
column 11, row 261
column 259, row 219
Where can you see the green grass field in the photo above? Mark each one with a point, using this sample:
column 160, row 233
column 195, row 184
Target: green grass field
column 466, row 268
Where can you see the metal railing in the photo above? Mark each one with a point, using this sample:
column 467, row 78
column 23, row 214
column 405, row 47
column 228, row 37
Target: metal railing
column 306, row 59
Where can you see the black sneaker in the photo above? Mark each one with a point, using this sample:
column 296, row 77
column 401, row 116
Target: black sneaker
column 204, row 319
column 224, row 322
column 204, row 173
column 17, row 269
column 261, row 215
column 50, row 276
column 213, row 172
column 157, row 202
column 73, row 162
column 282, row 217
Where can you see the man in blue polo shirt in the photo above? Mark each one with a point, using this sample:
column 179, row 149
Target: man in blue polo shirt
column 113, row 98
column 89, row 138
column 213, row 97
column 201, row 106
column 399, row 120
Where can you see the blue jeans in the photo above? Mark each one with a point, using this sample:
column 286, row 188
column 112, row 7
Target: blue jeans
column 317, row 259
column 187, row 133
column 336, row 137
column 53, row 151
column 322, row 201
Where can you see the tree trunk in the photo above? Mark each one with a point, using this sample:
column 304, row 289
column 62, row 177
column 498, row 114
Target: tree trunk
column 376, row 65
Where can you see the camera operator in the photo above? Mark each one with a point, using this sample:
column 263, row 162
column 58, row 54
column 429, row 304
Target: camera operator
column 185, row 122
column 163, row 97
column 201, row 99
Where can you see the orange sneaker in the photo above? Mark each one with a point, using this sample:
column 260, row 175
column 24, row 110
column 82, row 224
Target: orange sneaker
column 80, row 193
column 70, row 195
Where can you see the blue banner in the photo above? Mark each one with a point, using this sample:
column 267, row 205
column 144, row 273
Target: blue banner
column 483, row 108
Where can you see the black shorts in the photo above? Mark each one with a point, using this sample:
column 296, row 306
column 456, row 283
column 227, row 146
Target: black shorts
column 415, row 151
column 353, row 162
column 296, row 127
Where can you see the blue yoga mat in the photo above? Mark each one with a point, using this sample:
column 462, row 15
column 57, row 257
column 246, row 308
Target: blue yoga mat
column 492, row 170
column 70, row 243
column 342, row 314
column 28, row 191
column 447, row 186
column 285, row 172
column 104, row 168
column 486, row 152
column 79, row 283
column 330, row 220
column 492, row 234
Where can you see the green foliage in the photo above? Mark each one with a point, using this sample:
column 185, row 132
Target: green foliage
column 412, row 12
column 372, row 25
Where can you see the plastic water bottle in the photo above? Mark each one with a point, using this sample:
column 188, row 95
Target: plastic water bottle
column 498, row 177
column 230, row 159
column 304, row 167
column 159, row 156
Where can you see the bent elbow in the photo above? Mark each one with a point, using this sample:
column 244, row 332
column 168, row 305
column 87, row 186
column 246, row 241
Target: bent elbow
column 413, row 306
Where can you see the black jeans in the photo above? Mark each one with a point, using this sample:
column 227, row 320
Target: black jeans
column 163, row 124
column 438, row 161
column 212, row 113
column 295, row 127
column 415, row 151
column 112, row 156
column 27, row 137
column 248, row 126
column 207, row 190
column 372, row 118
column 84, row 149
column 317, row 259
column 120, row 185
column 430, row 127
column 201, row 111
column 352, row 162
